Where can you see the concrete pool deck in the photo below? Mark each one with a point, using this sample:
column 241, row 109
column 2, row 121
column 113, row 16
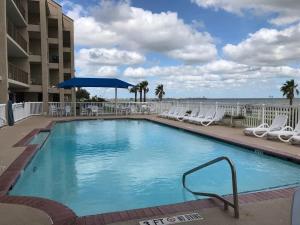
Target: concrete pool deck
column 278, row 206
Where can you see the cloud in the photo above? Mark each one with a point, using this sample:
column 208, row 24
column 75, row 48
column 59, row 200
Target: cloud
column 112, row 57
column 104, row 62
column 287, row 11
column 98, row 71
column 220, row 73
column 267, row 47
column 117, row 24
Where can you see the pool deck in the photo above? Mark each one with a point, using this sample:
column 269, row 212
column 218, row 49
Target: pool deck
column 268, row 207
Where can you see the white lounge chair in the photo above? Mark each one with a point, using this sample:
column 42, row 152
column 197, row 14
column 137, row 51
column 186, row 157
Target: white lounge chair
column 285, row 134
column 182, row 114
column 217, row 117
column 204, row 110
column 168, row 112
column 193, row 114
column 179, row 114
column 295, row 139
column 174, row 113
column 263, row 129
column 210, row 113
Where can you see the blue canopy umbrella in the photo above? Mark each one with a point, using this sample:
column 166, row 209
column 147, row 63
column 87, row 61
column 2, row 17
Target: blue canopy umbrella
column 95, row 82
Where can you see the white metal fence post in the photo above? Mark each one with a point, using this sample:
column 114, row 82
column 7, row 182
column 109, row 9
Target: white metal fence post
column 231, row 117
column 263, row 113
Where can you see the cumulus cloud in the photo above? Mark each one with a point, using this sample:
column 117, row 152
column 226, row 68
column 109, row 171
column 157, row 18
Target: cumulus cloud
column 267, row 47
column 218, row 73
column 287, row 11
column 113, row 57
column 98, row 71
column 114, row 24
column 104, row 62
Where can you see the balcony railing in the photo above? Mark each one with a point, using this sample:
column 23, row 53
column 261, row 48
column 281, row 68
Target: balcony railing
column 12, row 31
column 67, row 44
column 17, row 74
column 67, row 65
column 20, row 7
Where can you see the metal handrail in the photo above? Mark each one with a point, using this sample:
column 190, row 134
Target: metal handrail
column 235, row 204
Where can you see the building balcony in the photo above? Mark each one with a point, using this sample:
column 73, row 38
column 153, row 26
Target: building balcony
column 16, row 74
column 67, row 49
column 53, row 41
column 54, row 59
column 34, row 28
column 67, row 44
column 54, row 66
column 20, row 7
column 35, row 58
column 67, row 70
column 67, row 67
column 13, row 32
column 16, row 12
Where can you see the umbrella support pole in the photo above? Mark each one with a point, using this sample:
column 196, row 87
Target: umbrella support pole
column 116, row 96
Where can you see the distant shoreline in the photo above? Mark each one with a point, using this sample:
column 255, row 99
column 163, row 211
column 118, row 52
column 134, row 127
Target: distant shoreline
column 281, row 101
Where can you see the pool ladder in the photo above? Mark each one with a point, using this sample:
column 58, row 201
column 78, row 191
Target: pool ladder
column 235, row 203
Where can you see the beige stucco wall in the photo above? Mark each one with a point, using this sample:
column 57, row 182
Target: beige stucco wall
column 36, row 63
column 3, row 58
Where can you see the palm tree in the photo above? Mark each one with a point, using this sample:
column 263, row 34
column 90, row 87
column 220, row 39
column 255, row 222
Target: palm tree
column 159, row 91
column 140, row 90
column 134, row 90
column 146, row 90
column 144, row 87
column 288, row 89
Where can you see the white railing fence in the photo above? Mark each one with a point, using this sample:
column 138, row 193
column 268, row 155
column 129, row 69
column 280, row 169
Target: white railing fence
column 27, row 109
column 253, row 114
column 103, row 108
column 35, row 108
column 20, row 111
column 2, row 115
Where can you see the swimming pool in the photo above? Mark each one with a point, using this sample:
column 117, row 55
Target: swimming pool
column 111, row 165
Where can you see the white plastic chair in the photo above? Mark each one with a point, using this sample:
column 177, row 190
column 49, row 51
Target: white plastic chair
column 217, row 117
column 209, row 114
column 83, row 111
column 263, row 129
column 166, row 113
column 68, row 110
column 286, row 133
column 94, row 110
column 53, row 110
column 178, row 114
column 193, row 114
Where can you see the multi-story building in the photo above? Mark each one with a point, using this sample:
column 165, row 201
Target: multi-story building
column 36, row 51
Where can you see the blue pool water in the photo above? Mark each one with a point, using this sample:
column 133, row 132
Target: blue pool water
column 103, row 166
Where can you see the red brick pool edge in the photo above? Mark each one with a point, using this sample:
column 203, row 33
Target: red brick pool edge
column 61, row 214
